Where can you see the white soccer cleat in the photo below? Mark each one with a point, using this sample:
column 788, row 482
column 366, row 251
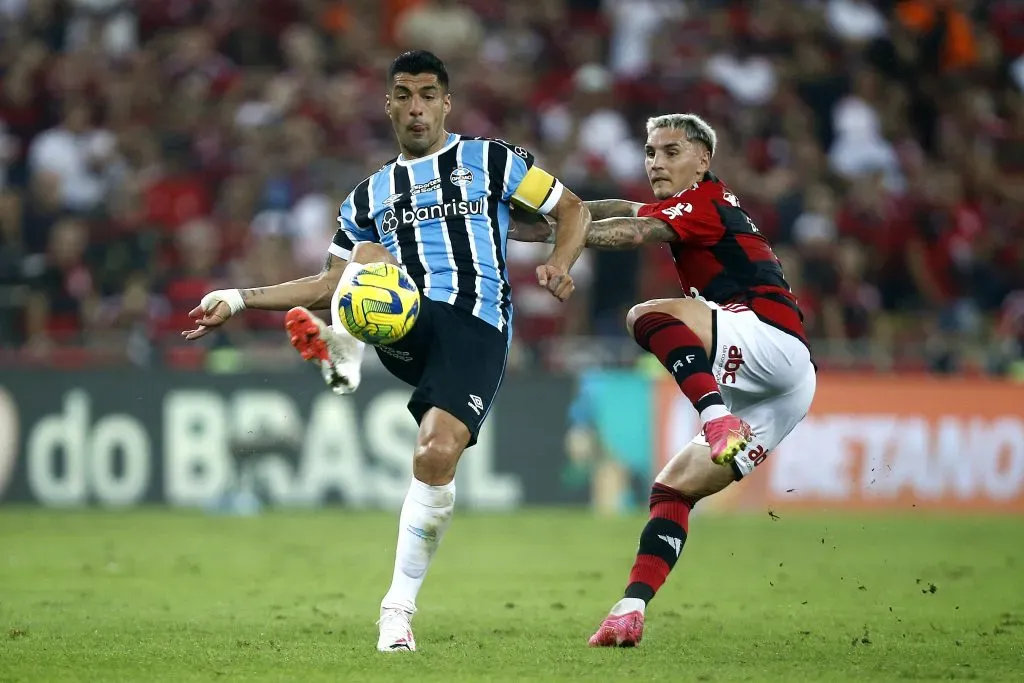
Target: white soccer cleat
column 339, row 356
column 395, row 631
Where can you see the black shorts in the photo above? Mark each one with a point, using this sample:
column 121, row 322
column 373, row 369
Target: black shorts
column 454, row 360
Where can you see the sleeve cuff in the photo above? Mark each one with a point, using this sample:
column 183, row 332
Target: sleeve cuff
column 340, row 252
column 552, row 200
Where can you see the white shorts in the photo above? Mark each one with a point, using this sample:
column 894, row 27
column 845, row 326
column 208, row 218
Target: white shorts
column 766, row 378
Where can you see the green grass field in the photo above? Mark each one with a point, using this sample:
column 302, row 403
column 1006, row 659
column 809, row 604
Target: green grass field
column 161, row 596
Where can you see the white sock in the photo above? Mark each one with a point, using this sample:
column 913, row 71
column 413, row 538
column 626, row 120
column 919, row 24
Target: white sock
column 627, row 605
column 356, row 347
column 425, row 517
column 713, row 412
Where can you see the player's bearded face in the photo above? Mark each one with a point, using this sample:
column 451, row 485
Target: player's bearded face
column 674, row 163
column 417, row 106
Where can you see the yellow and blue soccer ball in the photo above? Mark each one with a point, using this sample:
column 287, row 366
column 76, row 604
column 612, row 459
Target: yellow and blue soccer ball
column 379, row 304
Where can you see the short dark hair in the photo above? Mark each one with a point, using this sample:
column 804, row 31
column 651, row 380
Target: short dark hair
column 419, row 62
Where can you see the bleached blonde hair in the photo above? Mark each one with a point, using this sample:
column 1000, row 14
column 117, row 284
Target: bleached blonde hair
column 694, row 127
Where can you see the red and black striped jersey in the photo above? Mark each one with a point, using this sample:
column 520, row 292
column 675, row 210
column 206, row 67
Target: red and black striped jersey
column 721, row 255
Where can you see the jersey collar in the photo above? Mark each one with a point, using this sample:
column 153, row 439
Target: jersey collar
column 452, row 139
column 708, row 177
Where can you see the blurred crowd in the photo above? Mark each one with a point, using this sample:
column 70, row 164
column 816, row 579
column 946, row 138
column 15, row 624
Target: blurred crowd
column 153, row 150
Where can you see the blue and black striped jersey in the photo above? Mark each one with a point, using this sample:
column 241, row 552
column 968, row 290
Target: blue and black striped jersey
column 445, row 217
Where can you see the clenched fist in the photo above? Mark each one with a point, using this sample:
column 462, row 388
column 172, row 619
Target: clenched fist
column 556, row 279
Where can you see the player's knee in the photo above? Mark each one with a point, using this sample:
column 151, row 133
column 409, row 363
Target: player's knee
column 640, row 310
column 437, row 455
column 693, row 313
column 371, row 252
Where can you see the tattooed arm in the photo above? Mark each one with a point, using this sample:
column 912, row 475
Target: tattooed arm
column 609, row 234
column 313, row 292
column 527, row 226
column 612, row 208
column 619, row 234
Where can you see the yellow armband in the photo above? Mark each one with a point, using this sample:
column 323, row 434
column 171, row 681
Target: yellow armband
column 539, row 191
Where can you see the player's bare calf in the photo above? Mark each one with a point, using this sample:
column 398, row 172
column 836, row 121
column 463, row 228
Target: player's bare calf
column 692, row 473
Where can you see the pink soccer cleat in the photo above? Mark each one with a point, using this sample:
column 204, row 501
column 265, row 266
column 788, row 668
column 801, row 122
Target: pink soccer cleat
column 728, row 436
column 337, row 355
column 623, row 627
column 305, row 332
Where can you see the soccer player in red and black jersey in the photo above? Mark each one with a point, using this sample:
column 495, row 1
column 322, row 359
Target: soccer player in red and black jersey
column 735, row 343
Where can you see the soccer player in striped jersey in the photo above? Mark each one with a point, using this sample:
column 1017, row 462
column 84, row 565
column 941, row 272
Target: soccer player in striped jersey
column 440, row 210
column 734, row 343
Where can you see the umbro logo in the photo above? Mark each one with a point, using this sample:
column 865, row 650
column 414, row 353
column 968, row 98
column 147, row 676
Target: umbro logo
column 515, row 148
column 676, row 543
column 476, row 403
column 678, row 210
column 392, row 200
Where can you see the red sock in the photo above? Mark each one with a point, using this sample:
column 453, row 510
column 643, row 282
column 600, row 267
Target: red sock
column 661, row 542
column 682, row 353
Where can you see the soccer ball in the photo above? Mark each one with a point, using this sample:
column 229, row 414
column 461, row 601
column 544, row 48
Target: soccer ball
column 379, row 304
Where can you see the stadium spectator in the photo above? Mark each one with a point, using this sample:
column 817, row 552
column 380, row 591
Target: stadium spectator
column 149, row 147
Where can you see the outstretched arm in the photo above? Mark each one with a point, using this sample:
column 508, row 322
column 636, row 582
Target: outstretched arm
column 617, row 234
column 527, row 226
column 314, row 292
column 610, row 234
column 601, row 209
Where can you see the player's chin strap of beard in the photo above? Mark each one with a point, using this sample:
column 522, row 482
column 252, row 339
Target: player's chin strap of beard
column 232, row 297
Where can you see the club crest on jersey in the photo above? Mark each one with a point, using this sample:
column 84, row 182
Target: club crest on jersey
column 392, row 200
column 678, row 210
column 461, row 176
